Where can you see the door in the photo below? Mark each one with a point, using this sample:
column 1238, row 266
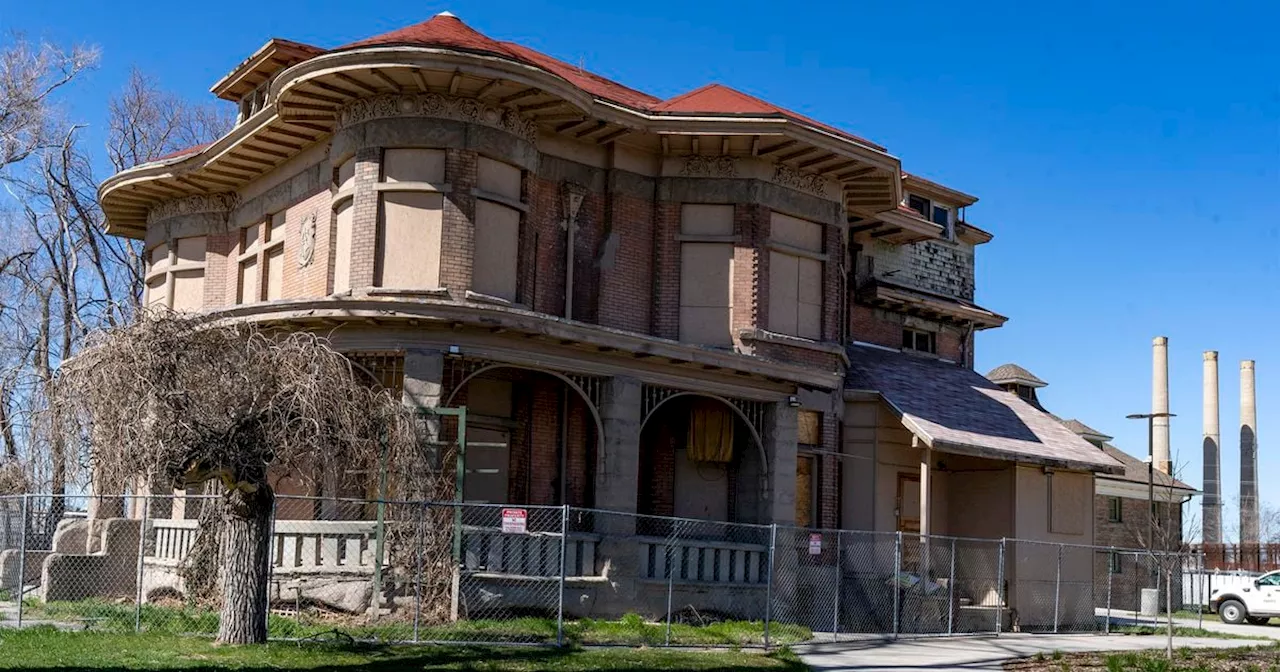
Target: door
column 487, row 465
column 1269, row 594
column 908, row 503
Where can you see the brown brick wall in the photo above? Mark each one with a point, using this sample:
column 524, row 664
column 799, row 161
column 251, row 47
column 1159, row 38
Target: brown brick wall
column 750, row 267
column 1131, row 530
column 364, row 225
column 458, row 234
column 313, row 280
column 626, row 287
column 666, row 258
column 543, row 248
column 220, row 268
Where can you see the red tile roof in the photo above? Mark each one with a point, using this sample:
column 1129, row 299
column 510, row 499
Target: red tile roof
column 441, row 30
column 721, row 99
column 587, row 81
column 181, row 152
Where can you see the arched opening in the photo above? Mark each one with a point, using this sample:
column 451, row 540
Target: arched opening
column 701, row 459
column 533, row 437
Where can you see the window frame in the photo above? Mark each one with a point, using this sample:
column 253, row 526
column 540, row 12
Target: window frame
column 915, row 334
column 519, row 206
column 262, row 247
column 1115, row 563
column 1115, row 510
column 727, row 242
column 171, row 268
column 801, row 254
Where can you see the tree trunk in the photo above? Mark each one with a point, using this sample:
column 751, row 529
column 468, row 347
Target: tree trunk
column 246, row 542
column 1168, row 608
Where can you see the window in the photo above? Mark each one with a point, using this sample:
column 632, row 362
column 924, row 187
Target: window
column 938, row 214
column 706, row 274
column 497, row 243
column 261, row 261
column 175, row 278
column 1115, row 563
column 795, row 277
column 343, row 220
column 410, row 227
column 920, row 341
column 1115, row 508
column 919, row 204
column 808, row 438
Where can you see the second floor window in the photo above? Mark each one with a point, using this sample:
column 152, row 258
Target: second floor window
column 938, row 214
column 261, row 261
column 796, row 263
column 706, row 274
column 919, row 340
column 497, row 229
column 410, row 228
column 175, row 275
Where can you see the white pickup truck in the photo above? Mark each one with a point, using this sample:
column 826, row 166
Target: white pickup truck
column 1256, row 601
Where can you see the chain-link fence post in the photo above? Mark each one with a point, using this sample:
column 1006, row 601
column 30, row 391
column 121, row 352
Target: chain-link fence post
column 271, row 551
column 835, row 619
column 671, row 574
column 417, row 572
column 564, row 535
column 1202, row 594
column 1057, row 590
column 22, row 555
column 1001, row 594
column 896, row 583
column 1111, row 558
column 951, row 591
column 142, row 551
column 768, row 589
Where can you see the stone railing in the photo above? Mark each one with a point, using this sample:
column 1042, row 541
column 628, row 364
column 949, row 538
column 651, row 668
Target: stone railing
column 698, row 561
column 296, row 545
column 487, row 550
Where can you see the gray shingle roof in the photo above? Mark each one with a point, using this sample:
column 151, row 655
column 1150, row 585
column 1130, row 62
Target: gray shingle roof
column 1135, row 471
column 1012, row 373
column 956, row 410
column 1085, row 431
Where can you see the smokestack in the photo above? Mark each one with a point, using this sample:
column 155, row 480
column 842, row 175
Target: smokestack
column 1248, row 455
column 1212, row 502
column 1160, row 403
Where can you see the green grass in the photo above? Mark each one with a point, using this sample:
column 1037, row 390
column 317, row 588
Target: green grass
column 1178, row 631
column 631, row 630
column 46, row 648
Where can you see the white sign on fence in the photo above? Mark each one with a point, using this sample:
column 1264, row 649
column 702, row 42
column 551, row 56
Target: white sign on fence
column 815, row 544
column 514, row 521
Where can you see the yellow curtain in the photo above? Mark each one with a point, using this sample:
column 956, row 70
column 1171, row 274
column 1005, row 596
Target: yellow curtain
column 710, row 432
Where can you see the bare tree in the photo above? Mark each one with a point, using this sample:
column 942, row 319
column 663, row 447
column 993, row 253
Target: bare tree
column 1163, row 534
column 147, row 123
column 183, row 401
column 30, row 74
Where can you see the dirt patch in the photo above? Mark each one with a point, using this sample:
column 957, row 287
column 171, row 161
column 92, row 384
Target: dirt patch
column 1256, row 659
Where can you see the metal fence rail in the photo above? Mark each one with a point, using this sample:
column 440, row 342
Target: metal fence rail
column 549, row 575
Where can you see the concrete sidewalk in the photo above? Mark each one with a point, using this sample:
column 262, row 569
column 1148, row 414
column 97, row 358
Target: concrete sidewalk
column 979, row 653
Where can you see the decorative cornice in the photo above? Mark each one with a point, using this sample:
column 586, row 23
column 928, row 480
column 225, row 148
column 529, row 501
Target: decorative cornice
column 807, row 182
column 710, row 166
column 190, row 205
column 439, row 106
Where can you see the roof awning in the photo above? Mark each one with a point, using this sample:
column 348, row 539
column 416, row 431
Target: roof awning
column 954, row 409
column 913, row 301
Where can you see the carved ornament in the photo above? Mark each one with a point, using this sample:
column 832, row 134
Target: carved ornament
column 191, row 205
column 307, row 243
column 439, row 106
column 710, row 166
column 807, row 182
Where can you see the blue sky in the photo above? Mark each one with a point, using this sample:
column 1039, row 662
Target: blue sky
column 1127, row 154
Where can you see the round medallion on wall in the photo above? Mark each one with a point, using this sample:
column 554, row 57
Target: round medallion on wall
column 307, row 246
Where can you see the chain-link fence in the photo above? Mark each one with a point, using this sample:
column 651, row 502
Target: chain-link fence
column 550, row 575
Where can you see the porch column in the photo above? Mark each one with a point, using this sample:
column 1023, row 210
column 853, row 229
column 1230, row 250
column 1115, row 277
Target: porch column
column 926, row 489
column 780, row 450
column 618, row 468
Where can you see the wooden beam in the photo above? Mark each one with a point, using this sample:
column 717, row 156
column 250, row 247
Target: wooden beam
column 308, row 107
column 251, row 159
column 857, row 173
column 796, row 154
column 252, row 170
column 309, row 125
column 386, row 79
column 886, row 232
column 694, row 143
column 821, row 159
column 666, row 145
column 454, row 81
column 238, row 177
column 839, row 166
column 269, row 152
column 600, row 126
column 420, row 80
column 865, row 227
column 568, row 125
column 519, row 95
column 557, row 118
column 777, row 148
column 214, row 180
column 547, row 105
column 755, row 145
column 356, row 83
column 193, row 185
column 293, row 134
column 610, row 137
column 334, row 89
column 864, row 201
column 487, row 88
column 278, row 142
column 319, row 97
column 724, row 145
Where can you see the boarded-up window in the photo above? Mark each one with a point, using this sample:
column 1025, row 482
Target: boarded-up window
column 186, row 274
column 497, row 229
column 795, row 277
column 260, row 263
column 347, row 174
column 413, row 165
column 342, row 223
column 157, row 279
column 409, row 230
column 809, row 428
column 1069, row 499
column 805, row 490
column 706, row 274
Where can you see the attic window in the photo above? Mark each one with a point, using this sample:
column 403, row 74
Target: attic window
column 920, row 341
column 938, row 214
